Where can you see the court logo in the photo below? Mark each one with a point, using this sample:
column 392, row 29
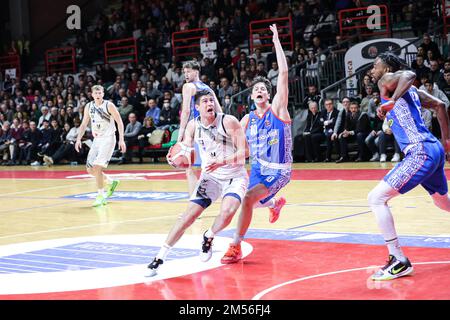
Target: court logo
column 135, row 196
column 98, row 262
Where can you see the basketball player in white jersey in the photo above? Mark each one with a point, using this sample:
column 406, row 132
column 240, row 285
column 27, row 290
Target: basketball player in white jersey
column 223, row 149
column 102, row 114
column 191, row 70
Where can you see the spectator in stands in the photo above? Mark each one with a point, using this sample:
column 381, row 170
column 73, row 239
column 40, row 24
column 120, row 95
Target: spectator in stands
column 153, row 111
column 125, row 109
column 357, row 127
column 5, row 138
column 313, row 134
column 144, row 134
column 419, row 67
column 433, row 89
column 208, row 69
column 46, row 139
column 428, row 44
column 165, row 85
column 446, row 86
column 386, row 137
column 312, row 95
column 261, row 70
column 328, row 118
column 435, row 71
column 131, row 137
column 29, row 146
column 45, row 116
column 16, row 132
column 178, row 79
column 152, row 90
column 141, row 100
column 364, row 105
column 168, row 115
column 272, row 75
column 225, row 89
column 67, row 148
column 7, row 112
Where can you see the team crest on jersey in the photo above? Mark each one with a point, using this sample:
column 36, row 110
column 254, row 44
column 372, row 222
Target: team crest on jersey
column 390, row 122
column 267, row 123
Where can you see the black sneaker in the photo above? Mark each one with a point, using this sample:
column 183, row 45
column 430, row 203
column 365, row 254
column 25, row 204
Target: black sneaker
column 153, row 266
column 206, row 252
column 393, row 269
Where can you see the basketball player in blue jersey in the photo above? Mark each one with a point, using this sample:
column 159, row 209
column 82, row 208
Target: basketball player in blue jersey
column 424, row 155
column 268, row 132
column 191, row 70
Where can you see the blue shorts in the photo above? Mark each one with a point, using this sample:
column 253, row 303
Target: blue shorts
column 272, row 179
column 424, row 165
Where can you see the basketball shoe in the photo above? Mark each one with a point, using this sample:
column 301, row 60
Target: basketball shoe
column 393, row 269
column 233, row 255
column 275, row 211
column 153, row 266
column 111, row 188
column 206, row 252
column 99, row 201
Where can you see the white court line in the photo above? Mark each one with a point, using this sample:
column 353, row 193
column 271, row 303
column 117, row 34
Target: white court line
column 266, row 291
column 41, row 189
column 87, row 226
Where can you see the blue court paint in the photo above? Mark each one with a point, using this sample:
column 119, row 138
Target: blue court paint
column 85, row 256
column 135, row 196
column 338, row 237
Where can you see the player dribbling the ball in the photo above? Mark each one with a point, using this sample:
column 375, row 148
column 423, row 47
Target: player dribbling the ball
column 223, row 149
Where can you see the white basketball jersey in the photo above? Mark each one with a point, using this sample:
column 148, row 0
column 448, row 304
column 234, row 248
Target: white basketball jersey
column 102, row 122
column 214, row 142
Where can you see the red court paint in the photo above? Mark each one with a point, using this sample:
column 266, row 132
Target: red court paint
column 273, row 262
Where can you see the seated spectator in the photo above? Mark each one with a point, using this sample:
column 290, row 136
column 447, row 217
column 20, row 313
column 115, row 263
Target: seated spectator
column 386, row 137
column 313, row 134
column 144, row 135
column 167, row 115
column 5, row 138
column 328, row 118
column 312, row 95
column 131, row 137
column 125, row 109
column 29, row 146
column 357, row 127
column 67, row 149
column 16, row 131
column 45, row 116
column 153, row 111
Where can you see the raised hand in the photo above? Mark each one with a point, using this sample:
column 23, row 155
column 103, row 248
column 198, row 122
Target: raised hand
column 274, row 30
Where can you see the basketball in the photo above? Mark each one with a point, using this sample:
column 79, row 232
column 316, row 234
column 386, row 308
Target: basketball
column 180, row 156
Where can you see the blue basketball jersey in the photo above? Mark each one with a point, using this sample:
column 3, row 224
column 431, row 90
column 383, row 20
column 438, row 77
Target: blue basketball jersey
column 406, row 122
column 199, row 86
column 269, row 139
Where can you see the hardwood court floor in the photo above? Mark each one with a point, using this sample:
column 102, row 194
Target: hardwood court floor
column 326, row 230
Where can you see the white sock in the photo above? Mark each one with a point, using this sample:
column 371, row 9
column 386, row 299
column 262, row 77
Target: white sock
column 162, row 254
column 237, row 239
column 395, row 250
column 378, row 199
column 269, row 204
column 101, row 192
column 209, row 233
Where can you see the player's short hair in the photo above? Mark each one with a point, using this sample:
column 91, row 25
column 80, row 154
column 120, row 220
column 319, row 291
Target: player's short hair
column 192, row 65
column 97, row 87
column 200, row 94
column 393, row 61
column 265, row 81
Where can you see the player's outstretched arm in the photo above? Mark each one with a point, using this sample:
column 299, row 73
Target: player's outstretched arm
column 188, row 92
column 82, row 130
column 280, row 100
column 397, row 83
column 429, row 101
column 116, row 115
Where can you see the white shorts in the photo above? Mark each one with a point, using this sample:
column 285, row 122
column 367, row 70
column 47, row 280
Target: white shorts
column 101, row 151
column 209, row 189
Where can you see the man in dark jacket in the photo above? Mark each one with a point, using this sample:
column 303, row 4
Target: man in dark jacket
column 357, row 127
column 328, row 119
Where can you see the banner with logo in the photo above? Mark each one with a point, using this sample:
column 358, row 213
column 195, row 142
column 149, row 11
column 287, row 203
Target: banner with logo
column 364, row 53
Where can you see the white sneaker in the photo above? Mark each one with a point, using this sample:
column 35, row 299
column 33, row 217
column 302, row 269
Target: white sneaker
column 35, row 163
column 375, row 157
column 206, row 252
column 396, row 157
column 153, row 266
column 383, row 157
